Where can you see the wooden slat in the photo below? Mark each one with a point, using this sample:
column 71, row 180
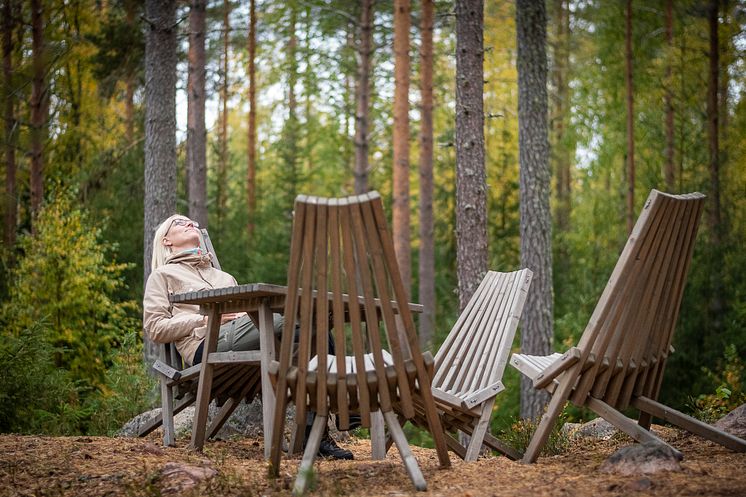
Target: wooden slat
column 361, row 393
column 288, row 333
column 338, row 313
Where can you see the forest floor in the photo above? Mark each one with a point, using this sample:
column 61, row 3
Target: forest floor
column 103, row 466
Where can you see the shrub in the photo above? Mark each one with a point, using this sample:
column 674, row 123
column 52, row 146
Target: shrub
column 65, row 279
column 729, row 392
column 35, row 396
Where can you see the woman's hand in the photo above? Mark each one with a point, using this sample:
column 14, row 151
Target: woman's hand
column 225, row 318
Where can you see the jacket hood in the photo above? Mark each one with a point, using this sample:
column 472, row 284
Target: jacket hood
column 198, row 259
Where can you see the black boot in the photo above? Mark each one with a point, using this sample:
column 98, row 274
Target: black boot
column 328, row 448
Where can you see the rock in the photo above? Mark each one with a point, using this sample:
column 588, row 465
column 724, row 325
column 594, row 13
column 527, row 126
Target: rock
column 734, row 422
column 177, row 478
column 646, row 458
column 246, row 421
column 596, row 428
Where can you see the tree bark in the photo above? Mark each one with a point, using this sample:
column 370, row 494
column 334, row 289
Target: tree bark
column 713, row 139
column 427, row 242
column 535, row 177
column 131, row 8
column 562, row 150
column 362, row 96
column 222, row 176
column 292, row 131
column 400, row 200
column 160, row 126
column 11, row 203
column 630, row 116
column 471, row 177
column 196, row 132
column 669, row 171
column 39, row 99
column 251, row 155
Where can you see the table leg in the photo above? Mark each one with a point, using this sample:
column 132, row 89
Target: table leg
column 267, row 347
column 205, row 380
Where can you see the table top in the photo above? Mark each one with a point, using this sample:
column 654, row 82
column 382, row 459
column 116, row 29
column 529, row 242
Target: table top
column 252, row 291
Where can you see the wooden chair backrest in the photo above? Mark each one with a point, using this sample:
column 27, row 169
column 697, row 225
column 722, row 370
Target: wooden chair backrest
column 628, row 338
column 343, row 246
column 473, row 356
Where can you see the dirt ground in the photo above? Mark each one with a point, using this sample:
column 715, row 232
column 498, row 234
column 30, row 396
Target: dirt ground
column 101, row 466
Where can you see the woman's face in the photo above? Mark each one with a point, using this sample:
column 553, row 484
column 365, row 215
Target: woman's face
column 182, row 234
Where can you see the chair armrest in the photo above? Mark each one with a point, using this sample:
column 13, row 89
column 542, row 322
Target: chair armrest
column 566, row 360
column 483, row 394
column 166, row 370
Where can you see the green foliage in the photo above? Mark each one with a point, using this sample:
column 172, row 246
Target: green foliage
column 64, row 277
column 729, row 393
column 128, row 389
column 522, row 430
column 35, row 396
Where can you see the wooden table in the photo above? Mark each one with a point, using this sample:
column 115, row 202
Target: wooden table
column 260, row 301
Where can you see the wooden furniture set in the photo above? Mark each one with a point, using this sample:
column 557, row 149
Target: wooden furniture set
column 342, row 247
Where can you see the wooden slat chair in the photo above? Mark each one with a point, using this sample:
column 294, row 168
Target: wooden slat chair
column 470, row 363
column 621, row 356
column 338, row 247
column 235, row 379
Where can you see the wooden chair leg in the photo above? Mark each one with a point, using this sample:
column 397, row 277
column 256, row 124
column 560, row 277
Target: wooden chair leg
column 377, row 436
column 167, row 414
column 477, row 435
column 623, row 423
column 690, row 424
column 410, row 463
column 305, row 471
column 546, row 424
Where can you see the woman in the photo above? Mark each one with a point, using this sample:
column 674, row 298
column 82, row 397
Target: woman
column 179, row 265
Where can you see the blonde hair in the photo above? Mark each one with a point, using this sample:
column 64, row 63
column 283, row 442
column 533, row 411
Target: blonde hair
column 161, row 251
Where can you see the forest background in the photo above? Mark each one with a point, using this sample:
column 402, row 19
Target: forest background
column 73, row 93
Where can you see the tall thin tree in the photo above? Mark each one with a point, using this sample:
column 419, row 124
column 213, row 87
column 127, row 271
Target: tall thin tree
column 630, row 98
column 713, row 139
column 561, row 149
column 11, row 202
column 160, row 126
column 400, row 201
column 39, row 100
column 251, row 152
column 535, row 178
column 196, row 132
column 471, row 177
column 669, row 168
column 427, row 242
column 362, row 95
column 221, row 192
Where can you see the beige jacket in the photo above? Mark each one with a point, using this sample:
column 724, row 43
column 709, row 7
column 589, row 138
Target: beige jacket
column 181, row 324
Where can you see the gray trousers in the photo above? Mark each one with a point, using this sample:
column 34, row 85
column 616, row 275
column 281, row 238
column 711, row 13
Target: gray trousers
column 241, row 334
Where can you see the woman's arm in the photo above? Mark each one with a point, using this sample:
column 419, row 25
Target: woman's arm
column 159, row 324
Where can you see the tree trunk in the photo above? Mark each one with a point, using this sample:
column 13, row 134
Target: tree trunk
column 292, row 125
column 669, row 171
column 39, row 99
column 129, row 97
column 427, row 242
column 251, row 154
column 630, row 116
column 160, row 126
column 196, row 133
column 11, row 203
column 362, row 97
column 222, row 176
column 400, row 204
column 716, row 304
column 535, row 177
column 471, row 178
column 562, row 150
